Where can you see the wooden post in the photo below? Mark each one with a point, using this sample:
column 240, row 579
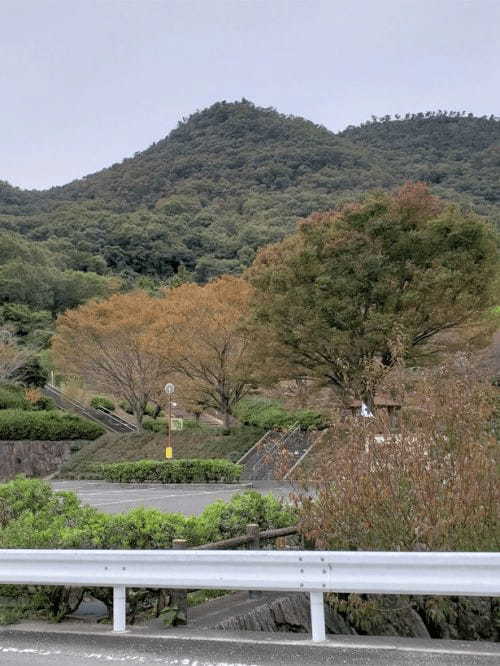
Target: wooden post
column 281, row 543
column 253, row 532
column 179, row 597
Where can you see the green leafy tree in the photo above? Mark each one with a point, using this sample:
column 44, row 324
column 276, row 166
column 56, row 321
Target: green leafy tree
column 352, row 291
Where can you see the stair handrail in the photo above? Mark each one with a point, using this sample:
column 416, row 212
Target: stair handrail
column 279, row 443
column 86, row 410
column 116, row 418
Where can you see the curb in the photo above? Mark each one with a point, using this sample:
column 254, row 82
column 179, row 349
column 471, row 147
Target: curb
column 365, row 643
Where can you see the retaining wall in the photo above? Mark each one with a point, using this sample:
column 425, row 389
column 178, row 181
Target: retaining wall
column 32, row 458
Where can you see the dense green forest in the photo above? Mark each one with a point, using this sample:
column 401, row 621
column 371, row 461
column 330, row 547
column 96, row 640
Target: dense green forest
column 37, row 283
column 234, row 177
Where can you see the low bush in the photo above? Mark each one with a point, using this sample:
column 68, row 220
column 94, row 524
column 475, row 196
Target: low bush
column 12, row 397
column 123, row 404
column 17, row 397
column 154, row 425
column 41, row 403
column 223, row 520
column 173, row 471
column 153, row 411
column 100, row 402
column 271, row 415
column 150, row 410
column 16, row 424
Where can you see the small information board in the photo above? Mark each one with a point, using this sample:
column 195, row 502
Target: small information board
column 169, row 452
column 177, row 424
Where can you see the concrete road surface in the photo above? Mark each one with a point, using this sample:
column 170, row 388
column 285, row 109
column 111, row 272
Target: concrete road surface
column 189, row 499
column 23, row 648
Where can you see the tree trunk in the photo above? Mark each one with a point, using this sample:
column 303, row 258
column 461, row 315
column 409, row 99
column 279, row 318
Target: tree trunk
column 227, row 420
column 138, row 409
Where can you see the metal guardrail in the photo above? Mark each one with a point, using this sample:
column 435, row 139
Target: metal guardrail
column 456, row 574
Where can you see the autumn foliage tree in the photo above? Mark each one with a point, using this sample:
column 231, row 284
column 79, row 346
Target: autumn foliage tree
column 433, row 486
column 106, row 344
column 353, row 291
column 201, row 336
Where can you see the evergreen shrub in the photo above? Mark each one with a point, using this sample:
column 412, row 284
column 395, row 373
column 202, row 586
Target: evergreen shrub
column 271, row 415
column 172, row 471
column 154, row 425
column 16, row 424
column 101, row 402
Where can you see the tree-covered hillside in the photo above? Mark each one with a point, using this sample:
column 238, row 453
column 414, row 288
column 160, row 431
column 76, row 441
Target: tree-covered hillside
column 234, row 177
column 454, row 153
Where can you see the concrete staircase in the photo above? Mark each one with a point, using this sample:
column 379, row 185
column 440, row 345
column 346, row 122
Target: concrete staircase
column 104, row 417
column 275, row 454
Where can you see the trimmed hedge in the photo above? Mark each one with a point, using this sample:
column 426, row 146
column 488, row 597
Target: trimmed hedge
column 270, row 414
column 99, row 401
column 16, row 424
column 173, row 471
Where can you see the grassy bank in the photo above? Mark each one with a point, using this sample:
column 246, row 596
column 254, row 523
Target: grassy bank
column 204, row 442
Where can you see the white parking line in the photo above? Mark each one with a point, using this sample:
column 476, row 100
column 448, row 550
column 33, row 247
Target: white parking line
column 110, row 657
column 156, row 496
column 180, row 492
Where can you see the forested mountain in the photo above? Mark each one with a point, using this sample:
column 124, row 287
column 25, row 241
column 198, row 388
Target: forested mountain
column 234, row 177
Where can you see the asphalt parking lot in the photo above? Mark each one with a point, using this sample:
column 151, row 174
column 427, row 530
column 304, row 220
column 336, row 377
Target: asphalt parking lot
column 189, row 499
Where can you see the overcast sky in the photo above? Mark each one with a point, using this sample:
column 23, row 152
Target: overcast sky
column 85, row 83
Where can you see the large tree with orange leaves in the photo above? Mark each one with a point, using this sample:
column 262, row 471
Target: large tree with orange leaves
column 202, row 337
column 106, row 344
column 354, row 290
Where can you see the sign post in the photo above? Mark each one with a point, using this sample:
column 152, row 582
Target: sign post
column 169, row 390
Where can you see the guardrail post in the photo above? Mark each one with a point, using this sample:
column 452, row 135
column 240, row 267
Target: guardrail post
column 253, row 533
column 179, row 597
column 317, row 616
column 119, row 608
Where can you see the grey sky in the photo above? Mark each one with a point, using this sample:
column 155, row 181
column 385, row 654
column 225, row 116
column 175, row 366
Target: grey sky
column 85, row 83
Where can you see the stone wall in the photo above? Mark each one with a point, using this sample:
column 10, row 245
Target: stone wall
column 32, row 458
column 462, row 618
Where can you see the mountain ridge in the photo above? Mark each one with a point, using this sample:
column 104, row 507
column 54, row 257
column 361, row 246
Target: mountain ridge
column 234, row 176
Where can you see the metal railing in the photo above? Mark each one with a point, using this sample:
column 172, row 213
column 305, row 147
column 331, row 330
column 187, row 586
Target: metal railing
column 108, row 419
column 271, row 454
column 117, row 419
column 456, row 574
